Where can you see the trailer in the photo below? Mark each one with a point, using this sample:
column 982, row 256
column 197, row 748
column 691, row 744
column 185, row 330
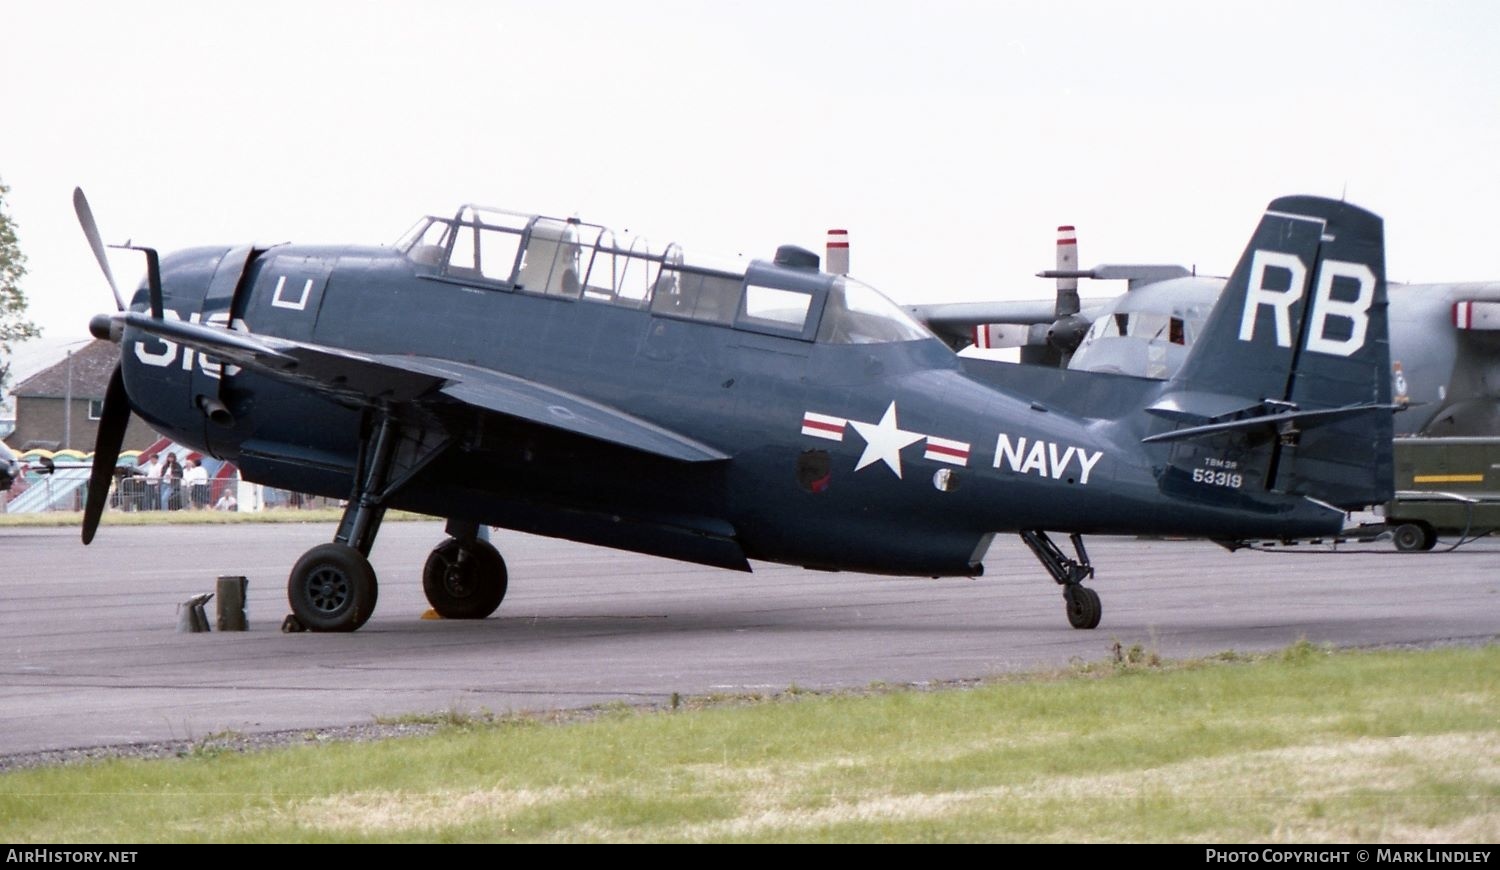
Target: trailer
column 1445, row 487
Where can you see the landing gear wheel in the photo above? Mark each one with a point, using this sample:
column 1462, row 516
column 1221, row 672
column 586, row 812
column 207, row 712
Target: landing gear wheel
column 332, row 588
column 1412, row 537
column 464, row 580
column 1084, row 609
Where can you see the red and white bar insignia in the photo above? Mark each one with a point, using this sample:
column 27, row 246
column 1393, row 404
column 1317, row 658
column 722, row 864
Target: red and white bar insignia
column 943, row 450
column 823, row 426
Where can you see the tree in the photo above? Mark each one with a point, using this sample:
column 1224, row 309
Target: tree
column 13, row 323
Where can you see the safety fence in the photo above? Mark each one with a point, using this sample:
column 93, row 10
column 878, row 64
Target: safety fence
column 64, row 487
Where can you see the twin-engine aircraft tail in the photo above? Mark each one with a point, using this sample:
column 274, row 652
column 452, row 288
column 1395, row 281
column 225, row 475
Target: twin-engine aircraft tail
column 1288, row 387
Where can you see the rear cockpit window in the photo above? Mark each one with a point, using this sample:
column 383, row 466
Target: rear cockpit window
column 696, row 295
column 623, row 271
column 769, row 307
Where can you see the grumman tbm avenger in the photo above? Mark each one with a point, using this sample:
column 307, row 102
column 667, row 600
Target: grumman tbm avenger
column 550, row 376
column 10, row 468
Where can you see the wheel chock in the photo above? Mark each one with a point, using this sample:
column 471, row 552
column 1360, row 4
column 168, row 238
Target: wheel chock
column 231, row 606
column 190, row 616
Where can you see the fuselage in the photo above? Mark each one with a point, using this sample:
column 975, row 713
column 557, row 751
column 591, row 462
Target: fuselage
column 845, row 451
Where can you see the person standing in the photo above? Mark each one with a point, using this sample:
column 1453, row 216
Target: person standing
column 153, row 482
column 171, row 480
column 195, row 479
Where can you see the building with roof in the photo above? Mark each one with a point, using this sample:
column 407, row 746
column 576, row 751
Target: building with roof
column 59, row 407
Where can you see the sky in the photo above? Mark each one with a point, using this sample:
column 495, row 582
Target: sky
column 949, row 138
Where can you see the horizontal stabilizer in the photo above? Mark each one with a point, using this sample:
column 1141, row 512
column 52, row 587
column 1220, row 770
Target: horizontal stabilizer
column 1195, row 406
column 1276, row 422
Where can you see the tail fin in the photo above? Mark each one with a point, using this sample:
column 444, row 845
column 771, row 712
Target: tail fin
column 1293, row 365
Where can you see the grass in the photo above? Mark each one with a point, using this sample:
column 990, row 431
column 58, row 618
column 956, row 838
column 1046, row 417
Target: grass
column 1304, row 746
column 191, row 518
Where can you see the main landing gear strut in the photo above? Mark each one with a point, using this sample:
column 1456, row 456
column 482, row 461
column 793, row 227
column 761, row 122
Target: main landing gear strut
column 1084, row 609
column 333, row 588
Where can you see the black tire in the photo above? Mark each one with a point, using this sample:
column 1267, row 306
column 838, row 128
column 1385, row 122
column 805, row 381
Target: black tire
column 332, row 588
column 1083, row 606
column 1414, row 537
column 464, row 581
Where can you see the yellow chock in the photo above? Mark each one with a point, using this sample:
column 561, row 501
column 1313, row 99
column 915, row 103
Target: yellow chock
column 431, row 614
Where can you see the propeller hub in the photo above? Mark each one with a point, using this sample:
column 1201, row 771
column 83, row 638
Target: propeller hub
column 1066, row 333
column 105, row 327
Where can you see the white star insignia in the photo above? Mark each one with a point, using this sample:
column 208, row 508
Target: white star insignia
column 884, row 440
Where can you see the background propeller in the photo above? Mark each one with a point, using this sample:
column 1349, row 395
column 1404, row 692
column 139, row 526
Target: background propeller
column 1068, row 330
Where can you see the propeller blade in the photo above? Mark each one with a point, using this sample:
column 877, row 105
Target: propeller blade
column 1067, row 261
column 1067, row 331
column 91, row 230
column 112, row 423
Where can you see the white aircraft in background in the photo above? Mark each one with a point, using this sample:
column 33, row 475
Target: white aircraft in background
column 1445, row 338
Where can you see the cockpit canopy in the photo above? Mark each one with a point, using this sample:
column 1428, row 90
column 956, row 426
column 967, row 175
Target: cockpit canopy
column 570, row 259
column 1148, row 331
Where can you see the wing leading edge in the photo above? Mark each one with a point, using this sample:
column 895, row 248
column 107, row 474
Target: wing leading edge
column 359, row 378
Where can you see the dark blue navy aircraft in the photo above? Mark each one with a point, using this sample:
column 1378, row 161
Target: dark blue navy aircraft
column 10, row 468
column 550, row 376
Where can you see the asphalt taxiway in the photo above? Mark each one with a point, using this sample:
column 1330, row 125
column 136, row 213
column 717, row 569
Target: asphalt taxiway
column 89, row 654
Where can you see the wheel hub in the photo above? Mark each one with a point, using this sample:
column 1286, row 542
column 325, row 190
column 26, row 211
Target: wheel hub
column 455, row 580
column 329, row 590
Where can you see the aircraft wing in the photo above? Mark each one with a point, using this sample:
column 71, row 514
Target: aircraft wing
column 359, row 378
column 548, row 406
column 962, row 315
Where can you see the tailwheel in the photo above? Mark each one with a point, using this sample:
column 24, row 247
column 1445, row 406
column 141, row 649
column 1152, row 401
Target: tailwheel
column 1084, row 609
column 464, row 579
column 332, row 588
